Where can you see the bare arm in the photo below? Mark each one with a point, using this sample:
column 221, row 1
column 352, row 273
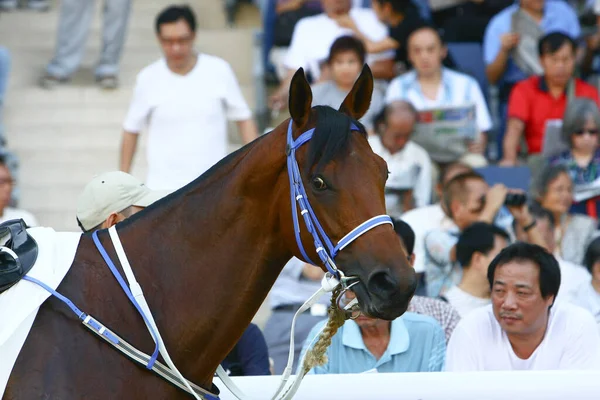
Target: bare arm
column 290, row 5
column 279, row 98
column 512, row 137
column 248, row 130
column 383, row 69
column 128, row 146
column 495, row 70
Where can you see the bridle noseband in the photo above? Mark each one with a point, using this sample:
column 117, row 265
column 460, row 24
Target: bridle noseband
column 323, row 245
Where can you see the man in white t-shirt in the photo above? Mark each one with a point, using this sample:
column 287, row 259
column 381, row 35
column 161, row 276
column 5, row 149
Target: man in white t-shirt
column 313, row 37
column 6, row 187
column 477, row 246
column 185, row 99
column 523, row 328
column 409, row 183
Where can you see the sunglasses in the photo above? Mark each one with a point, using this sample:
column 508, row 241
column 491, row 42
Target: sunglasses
column 581, row 132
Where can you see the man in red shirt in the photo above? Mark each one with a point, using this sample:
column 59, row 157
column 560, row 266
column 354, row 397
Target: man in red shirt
column 539, row 99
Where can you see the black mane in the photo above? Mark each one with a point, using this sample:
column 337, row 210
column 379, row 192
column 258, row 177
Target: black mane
column 331, row 137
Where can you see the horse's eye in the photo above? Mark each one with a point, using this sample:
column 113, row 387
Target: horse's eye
column 318, row 183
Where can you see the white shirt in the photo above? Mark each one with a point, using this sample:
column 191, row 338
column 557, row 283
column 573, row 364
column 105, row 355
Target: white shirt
column 313, row 37
column 186, row 116
column 464, row 302
column 457, row 89
column 572, row 342
column 588, row 298
column 16, row 213
column 572, row 278
column 422, row 220
column 410, row 168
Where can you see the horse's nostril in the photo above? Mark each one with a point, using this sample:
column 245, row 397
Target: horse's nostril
column 382, row 283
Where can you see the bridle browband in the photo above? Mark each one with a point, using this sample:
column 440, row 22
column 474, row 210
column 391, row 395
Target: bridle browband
column 323, row 245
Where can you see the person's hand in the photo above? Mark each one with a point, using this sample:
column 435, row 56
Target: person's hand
column 494, row 199
column 520, row 213
column 277, row 100
column 345, row 21
column 476, row 147
column 509, row 41
column 507, row 163
column 312, row 272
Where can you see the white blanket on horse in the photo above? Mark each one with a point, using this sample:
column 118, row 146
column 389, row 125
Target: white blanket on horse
column 19, row 304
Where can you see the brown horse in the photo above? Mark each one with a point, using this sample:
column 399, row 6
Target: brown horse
column 208, row 254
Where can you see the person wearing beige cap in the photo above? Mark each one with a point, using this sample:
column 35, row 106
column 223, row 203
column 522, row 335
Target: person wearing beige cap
column 112, row 197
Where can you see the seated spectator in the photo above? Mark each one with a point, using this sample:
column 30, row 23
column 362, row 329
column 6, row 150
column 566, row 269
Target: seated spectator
column 250, row 356
column 345, row 63
column 313, row 37
column 502, row 43
column 477, row 246
column 431, row 86
column 410, row 343
column 466, row 20
column 588, row 296
column 295, row 284
column 112, row 197
column 401, row 16
column 580, row 129
column 572, row 276
column 467, row 199
column 523, row 329
column 425, row 219
column 409, row 181
column 443, row 312
column 553, row 189
column 538, row 100
column 6, row 187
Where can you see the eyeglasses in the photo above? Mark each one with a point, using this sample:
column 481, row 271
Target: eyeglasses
column 581, row 132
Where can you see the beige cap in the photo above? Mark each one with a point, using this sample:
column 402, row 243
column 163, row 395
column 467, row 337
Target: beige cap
column 112, row 192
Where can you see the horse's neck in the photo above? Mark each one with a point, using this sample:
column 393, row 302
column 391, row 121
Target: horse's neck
column 211, row 256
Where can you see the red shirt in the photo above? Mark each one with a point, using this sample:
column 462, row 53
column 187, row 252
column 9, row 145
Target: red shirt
column 531, row 102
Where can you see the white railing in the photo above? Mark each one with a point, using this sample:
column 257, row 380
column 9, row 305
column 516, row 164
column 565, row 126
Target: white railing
column 517, row 385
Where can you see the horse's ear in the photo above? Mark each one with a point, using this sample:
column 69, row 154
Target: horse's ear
column 300, row 99
column 357, row 102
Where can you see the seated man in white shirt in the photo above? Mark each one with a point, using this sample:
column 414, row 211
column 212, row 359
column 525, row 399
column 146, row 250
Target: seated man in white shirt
column 313, row 37
column 7, row 184
column 184, row 100
column 523, row 328
column 409, row 182
column 477, row 246
column 430, row 85
column 422, row 220
column 573, row 276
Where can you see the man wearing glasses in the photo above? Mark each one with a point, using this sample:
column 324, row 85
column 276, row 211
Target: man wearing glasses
column 184, row 99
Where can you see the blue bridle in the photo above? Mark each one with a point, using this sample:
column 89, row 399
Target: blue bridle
column 328, row 251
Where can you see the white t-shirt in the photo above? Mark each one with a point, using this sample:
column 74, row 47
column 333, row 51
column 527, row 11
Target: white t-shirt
column 186, row 116
column 572, row 342
column 16, row 213
column 588, row 298
column 572, row 278
column 410, row 168
column 313, row 37
column 464, row 302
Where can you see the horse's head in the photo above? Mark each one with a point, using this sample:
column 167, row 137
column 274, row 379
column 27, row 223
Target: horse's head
column 344, row 182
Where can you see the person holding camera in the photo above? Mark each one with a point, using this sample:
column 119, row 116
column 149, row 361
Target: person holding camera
column 466, row 199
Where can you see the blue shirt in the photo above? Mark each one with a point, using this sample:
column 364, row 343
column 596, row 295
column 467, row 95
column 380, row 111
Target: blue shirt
column 417, row 344
column 558, row 16
column 250, row 355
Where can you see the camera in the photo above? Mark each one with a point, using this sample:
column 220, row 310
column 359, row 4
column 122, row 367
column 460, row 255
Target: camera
column 515, row 199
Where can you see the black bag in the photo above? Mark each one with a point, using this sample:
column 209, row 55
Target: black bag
column 285, row 23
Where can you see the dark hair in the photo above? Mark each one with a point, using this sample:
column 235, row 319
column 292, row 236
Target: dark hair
column 553, row 41
column 175, row 13
column 477, row 238
column 399, row 6
column 345, row 44
column 521, row 251
column 425, row 26
column 592, row 254
column 456, row 187
column 446, row 170
column 406, row 233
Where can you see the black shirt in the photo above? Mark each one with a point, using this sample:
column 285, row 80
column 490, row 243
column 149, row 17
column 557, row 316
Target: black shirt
column 412, row 20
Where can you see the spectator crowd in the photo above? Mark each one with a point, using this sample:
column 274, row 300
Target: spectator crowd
column 486, row 112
